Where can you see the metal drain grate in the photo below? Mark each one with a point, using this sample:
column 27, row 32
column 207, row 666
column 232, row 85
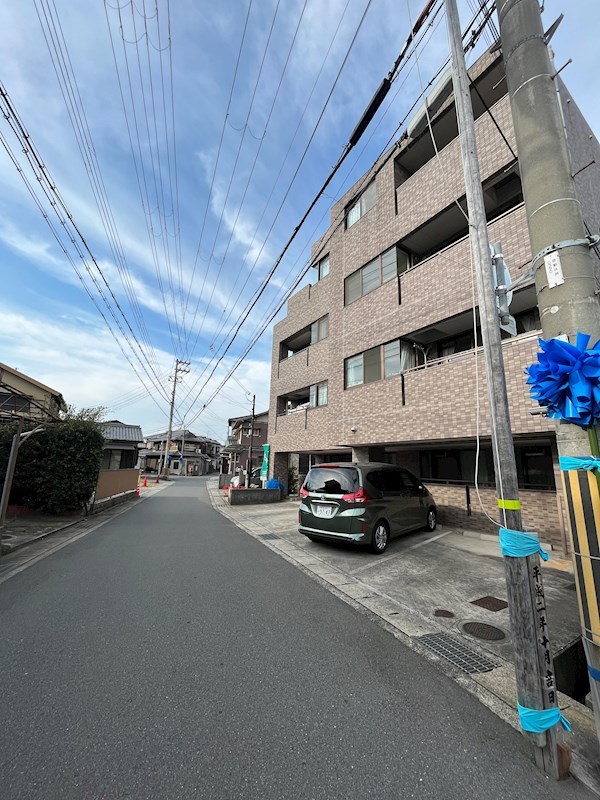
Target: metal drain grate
column 442, row 612
column 457, row 654
column 269, row 536
column 490, row 603
column 483, row 631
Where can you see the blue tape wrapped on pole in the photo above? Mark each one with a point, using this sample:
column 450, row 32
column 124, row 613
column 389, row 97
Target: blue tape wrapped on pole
column 579, row 462
column 539, row 721
column 566, row 380
column 517, row 544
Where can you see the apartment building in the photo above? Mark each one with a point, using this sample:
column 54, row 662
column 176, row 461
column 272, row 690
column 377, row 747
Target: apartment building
column 242, row 431
column 187, row 454
column 377, row 359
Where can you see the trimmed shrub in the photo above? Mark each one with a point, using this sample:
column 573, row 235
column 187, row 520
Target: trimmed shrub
column 57, row 468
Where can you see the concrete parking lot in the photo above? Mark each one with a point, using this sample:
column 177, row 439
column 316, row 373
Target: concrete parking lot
column 425, row 589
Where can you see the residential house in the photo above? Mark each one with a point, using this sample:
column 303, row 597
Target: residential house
column 242, row 433
column 22, row 397
column 121, row 445
column 187, row 454
column 379, row 360
column 119, row 470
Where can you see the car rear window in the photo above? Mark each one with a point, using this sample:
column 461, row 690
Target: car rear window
column 332, row 480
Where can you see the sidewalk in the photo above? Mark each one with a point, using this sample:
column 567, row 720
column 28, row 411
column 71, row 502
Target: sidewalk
column 20, row 531
column 425, row 589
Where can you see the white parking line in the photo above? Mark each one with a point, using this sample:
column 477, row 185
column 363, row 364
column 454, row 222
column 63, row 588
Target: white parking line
column 427, row 541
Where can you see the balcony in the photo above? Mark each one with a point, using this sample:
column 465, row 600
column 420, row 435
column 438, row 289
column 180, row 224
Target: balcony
column 439, row 401
column 303, row 368
column 443, row 175
column 423, row 303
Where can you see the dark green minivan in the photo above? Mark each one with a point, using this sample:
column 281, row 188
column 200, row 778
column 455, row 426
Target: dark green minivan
column 363, row 503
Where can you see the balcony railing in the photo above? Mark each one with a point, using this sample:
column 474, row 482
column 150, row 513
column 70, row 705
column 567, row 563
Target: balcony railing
column 465, row 355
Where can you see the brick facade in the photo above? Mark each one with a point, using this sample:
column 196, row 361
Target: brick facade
column 433, row 404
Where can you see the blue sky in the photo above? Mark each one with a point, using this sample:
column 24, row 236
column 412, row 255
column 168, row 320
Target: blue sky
column 227, row 210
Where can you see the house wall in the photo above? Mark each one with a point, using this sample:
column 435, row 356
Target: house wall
column 116, row 481
column 22, row 385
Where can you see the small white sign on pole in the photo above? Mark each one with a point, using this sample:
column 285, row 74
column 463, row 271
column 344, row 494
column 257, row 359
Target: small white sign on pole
column 554, row 271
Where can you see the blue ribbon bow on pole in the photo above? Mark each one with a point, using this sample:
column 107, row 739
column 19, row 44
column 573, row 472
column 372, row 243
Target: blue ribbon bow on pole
column 517, row 544
column 566, row 380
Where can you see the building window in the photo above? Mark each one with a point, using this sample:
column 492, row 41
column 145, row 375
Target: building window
column 359, row 207
column 354, row 371
column 385, row 361
column 534, row 467
column 457, row 466
column 388, row 265
column 13, row 402
column 318, row 394
column 319, row 329
column 322, row 267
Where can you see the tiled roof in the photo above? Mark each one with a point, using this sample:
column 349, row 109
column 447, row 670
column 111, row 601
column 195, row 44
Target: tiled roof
column 177, row 435
column 118, row 431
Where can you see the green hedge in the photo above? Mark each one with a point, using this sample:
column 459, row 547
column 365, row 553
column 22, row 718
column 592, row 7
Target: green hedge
column 57, row 468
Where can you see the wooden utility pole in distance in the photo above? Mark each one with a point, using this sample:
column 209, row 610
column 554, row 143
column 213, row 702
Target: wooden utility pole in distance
column 567, row 299
column 180, row 368
column 249, row 470
column 522, row 574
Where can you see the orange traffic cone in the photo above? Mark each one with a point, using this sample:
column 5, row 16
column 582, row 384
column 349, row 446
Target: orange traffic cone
column 158, row 479
column 137, row 490
column 145, row 483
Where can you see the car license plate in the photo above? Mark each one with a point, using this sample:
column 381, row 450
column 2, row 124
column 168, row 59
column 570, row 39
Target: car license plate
column 323, row 511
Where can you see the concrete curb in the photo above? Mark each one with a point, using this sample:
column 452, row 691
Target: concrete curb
column 7, row 548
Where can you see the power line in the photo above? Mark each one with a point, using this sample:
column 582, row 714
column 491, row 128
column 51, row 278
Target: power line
column 63, row 67
column 68, row 255
column 233, row 227
column 48, row 186
column 367, row 177
column 138, row 161
column 212, row 181
column 340, row 161
column 358, row 130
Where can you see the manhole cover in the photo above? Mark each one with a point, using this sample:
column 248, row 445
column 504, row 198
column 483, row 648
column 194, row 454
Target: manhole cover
column 441, row 612
column 457, row 654
column 483, row 631
column 269, row 536
column 490, row 603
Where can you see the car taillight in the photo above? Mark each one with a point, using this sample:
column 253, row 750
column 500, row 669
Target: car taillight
column 303, row 492
column 358, row 497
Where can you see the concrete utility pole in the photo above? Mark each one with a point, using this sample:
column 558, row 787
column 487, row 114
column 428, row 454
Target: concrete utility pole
column 564, row 277
column 521, row 573
column 249, row 470
column 181, row 367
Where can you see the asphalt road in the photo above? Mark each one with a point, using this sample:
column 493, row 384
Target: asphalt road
column 170, row 655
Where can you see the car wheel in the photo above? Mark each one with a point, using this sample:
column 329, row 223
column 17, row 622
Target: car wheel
column 312, row 538
column 381, row 537
column 431, row 523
